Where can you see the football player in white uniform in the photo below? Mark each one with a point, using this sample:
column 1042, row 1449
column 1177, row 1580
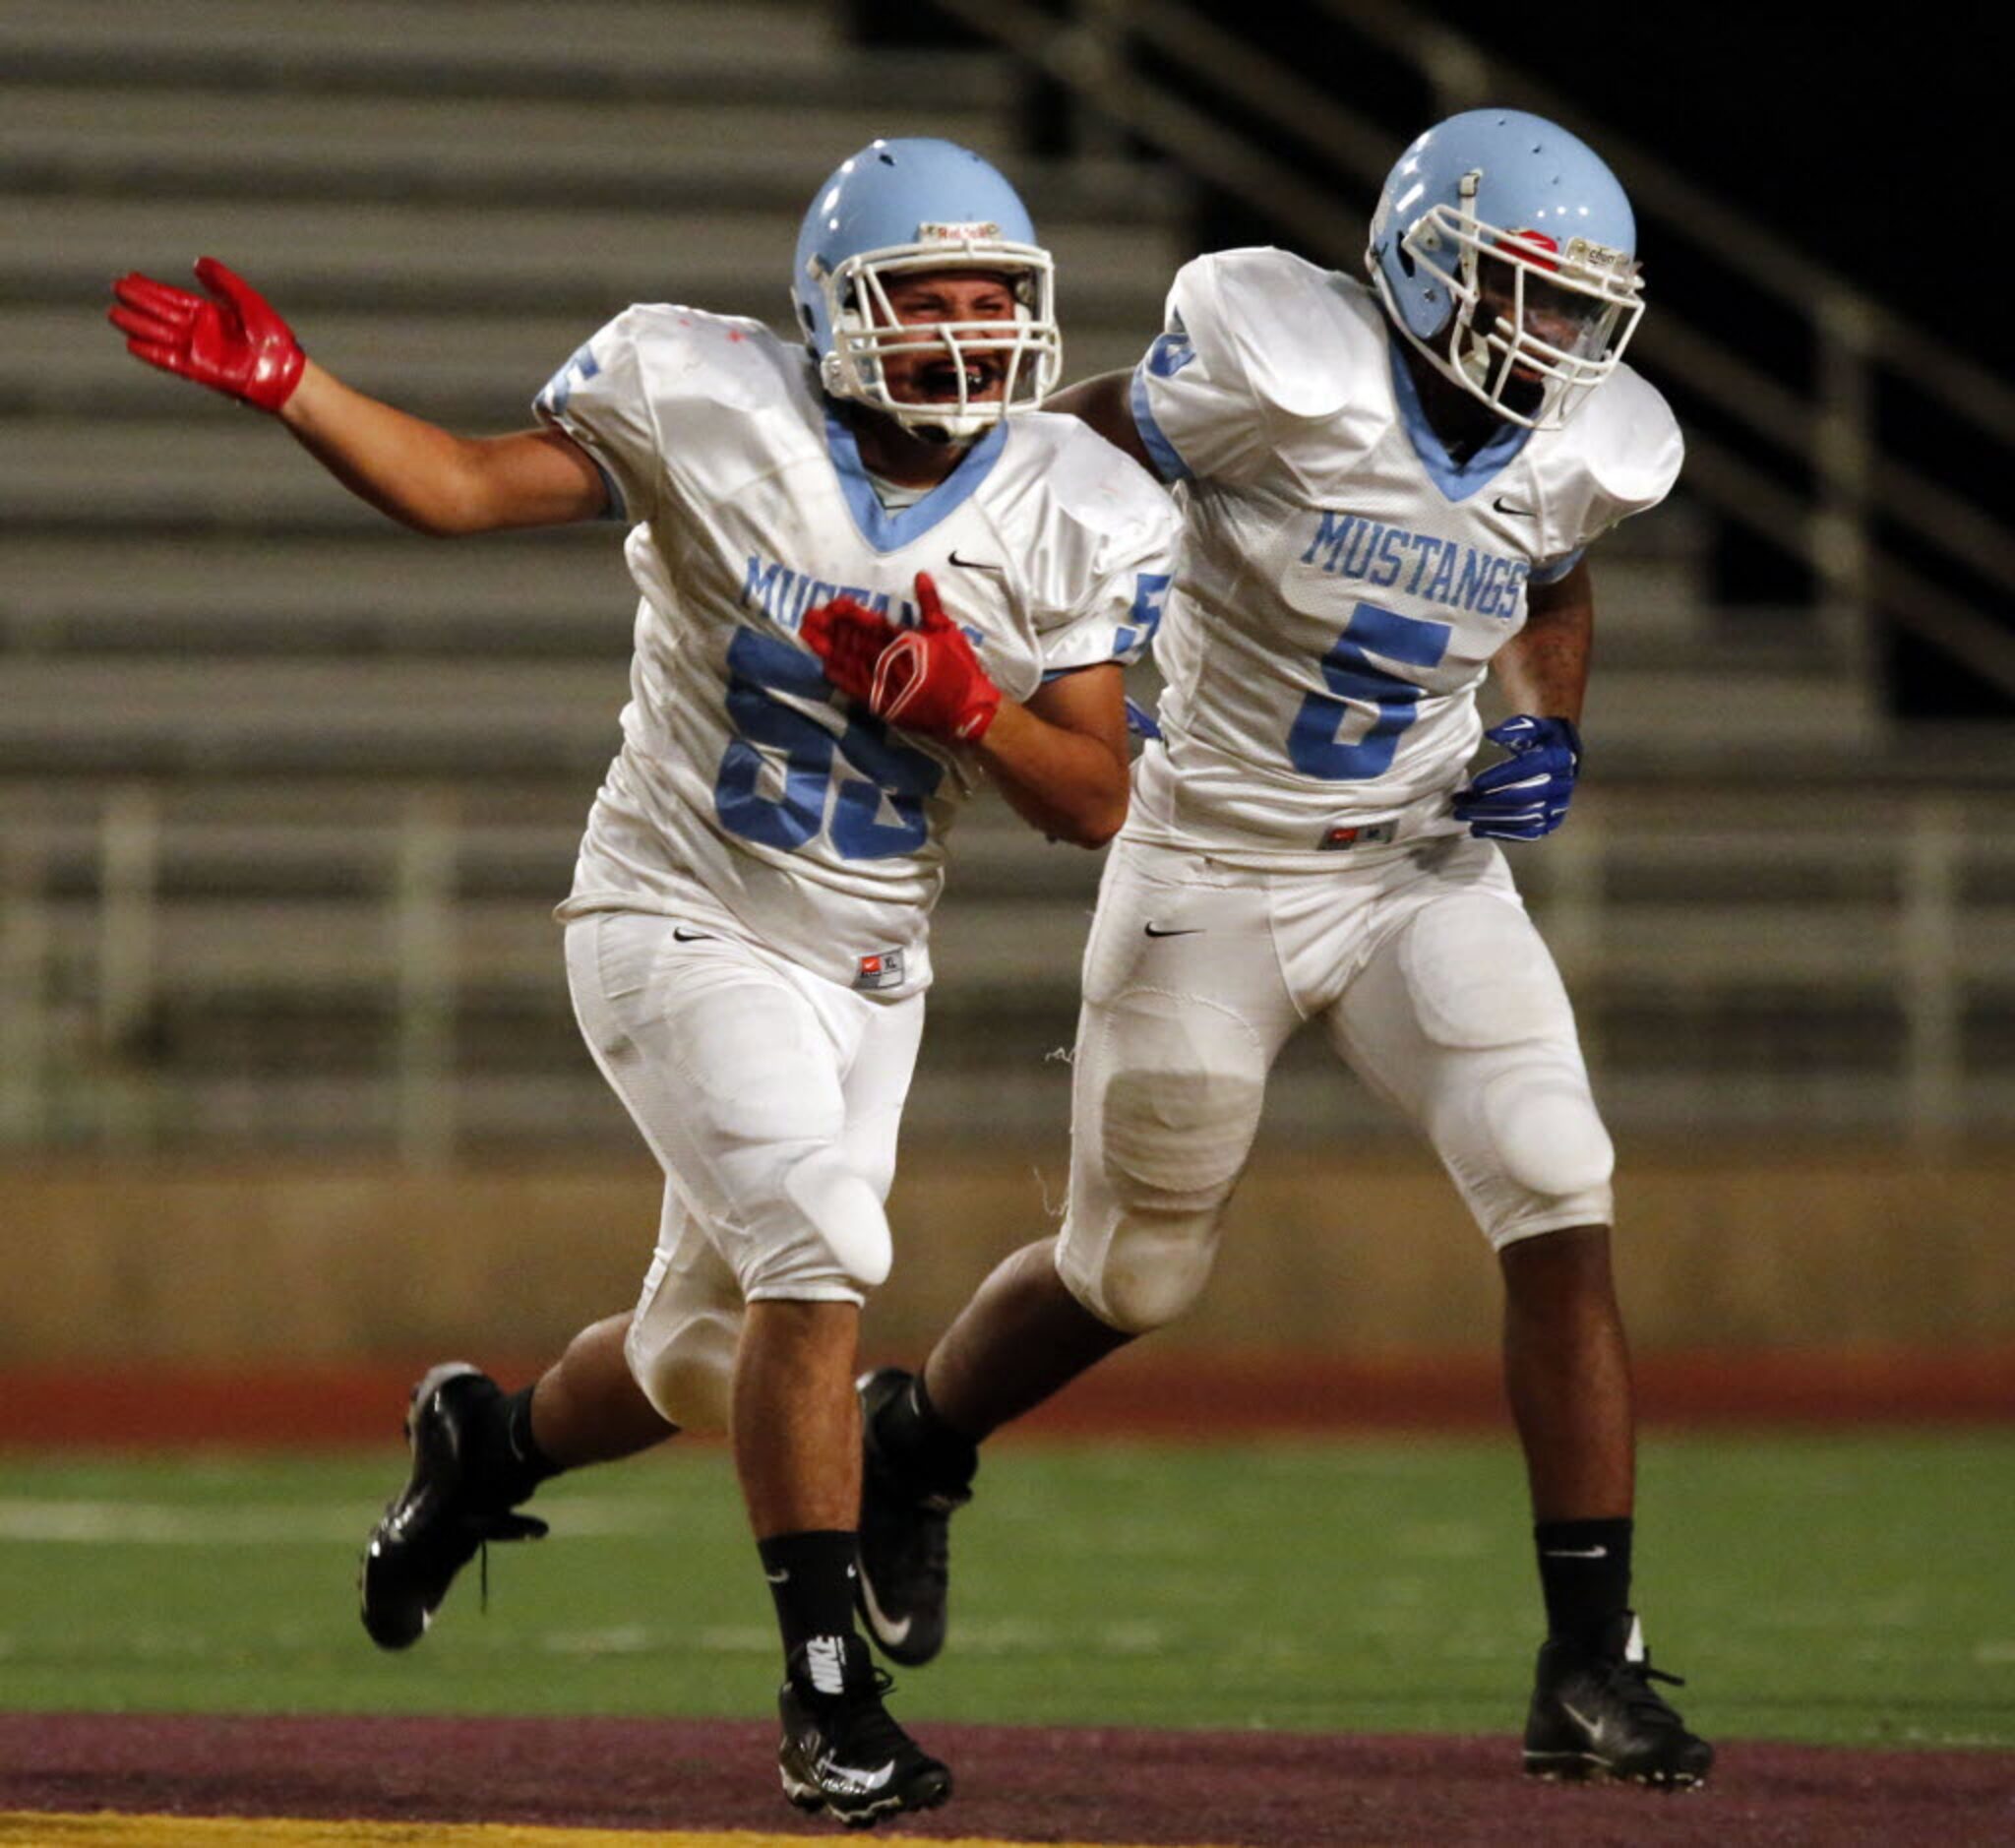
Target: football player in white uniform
column 1387, row 490
column 864, row 588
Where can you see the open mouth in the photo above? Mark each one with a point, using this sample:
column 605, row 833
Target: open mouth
column 938, row 380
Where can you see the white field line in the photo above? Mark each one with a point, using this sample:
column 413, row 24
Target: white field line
column 995, row 1640
column 271, row 1523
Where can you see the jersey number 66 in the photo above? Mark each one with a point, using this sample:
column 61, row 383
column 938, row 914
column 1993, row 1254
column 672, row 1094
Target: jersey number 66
column 759, row 667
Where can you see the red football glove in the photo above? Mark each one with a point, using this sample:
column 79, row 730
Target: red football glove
column 924, row 679
column 233, row 342
column 848, row 638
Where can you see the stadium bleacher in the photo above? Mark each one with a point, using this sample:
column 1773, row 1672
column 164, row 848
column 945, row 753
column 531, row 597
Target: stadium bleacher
column 286, row 795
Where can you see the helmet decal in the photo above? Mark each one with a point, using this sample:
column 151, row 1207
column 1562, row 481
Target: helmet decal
column 984, row 232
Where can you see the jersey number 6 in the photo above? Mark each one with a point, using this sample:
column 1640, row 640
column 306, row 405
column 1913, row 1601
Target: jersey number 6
column 759, row 669
column 1354, row 682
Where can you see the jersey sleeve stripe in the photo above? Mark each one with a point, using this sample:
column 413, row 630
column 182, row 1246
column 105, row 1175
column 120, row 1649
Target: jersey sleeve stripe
column 615, row 507
column 1168, row 463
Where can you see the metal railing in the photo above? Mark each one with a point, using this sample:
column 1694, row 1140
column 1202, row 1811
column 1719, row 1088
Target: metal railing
column 1897, row 925
column 1833, row 527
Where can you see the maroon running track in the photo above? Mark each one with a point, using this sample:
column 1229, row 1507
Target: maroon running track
column 1265, row 1790
column 1268, row 1790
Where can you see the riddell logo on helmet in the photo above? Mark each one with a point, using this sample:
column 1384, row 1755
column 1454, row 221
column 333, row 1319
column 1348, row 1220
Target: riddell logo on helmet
column 979, row 231
column 1596, row 256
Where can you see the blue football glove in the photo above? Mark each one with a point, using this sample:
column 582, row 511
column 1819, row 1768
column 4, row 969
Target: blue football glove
column 1526, row 794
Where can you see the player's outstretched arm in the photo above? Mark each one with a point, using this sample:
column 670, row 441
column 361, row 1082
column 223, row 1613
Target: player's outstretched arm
column 433, row 480
column 232, row 340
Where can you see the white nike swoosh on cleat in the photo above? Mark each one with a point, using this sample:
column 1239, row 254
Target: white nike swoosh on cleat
column 778, row 1578
column 1595, row 1727
column 1577, row 1553
column 853, row 1781
column 886, row 1629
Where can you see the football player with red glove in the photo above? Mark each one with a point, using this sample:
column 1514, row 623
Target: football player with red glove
column 753, row 892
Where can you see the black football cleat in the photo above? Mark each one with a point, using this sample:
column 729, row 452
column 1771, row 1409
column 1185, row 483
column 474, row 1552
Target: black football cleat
column 905, row 1549
column 841, row 1753
column 441, row 1519
column 1596, row 1717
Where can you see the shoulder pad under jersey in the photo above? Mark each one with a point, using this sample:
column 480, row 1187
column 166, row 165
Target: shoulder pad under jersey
column 724, row 359
column 1092, row 483
column 1298, row 333
column 1627, row 442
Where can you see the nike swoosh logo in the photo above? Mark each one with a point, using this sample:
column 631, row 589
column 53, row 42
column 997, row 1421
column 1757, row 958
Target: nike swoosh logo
column 974, row 564
column 692, row 937
column 1196, row 932
column 778, row 1578
column 857, row 1782
column 884, row 1628
column 1517, row 512
column 1577, row 1553
column 1595, row 1727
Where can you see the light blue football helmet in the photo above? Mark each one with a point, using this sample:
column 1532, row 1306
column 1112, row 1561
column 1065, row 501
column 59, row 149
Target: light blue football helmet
column 919, row 205
column 1506, row 252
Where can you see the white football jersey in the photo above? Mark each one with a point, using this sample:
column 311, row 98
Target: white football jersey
column 746, row 785
column 1343, row 582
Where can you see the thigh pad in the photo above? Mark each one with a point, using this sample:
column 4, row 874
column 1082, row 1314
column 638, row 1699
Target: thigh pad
column 1480, row 976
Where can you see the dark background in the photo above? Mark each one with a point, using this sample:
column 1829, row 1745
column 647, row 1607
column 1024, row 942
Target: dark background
column 1875, row 148
column 1876, row 145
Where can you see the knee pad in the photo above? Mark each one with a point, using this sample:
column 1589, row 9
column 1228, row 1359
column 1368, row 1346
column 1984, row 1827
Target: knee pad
column 685, row 1363
column 680, row 1346
column 824, row 1238
column 1507, row 1101
column 1150, row 1275
column 1546, row 1131
column 1174, row 1143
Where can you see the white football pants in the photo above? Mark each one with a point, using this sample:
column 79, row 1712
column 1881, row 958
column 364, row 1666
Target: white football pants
column 772, row 1098
column 1428, row 979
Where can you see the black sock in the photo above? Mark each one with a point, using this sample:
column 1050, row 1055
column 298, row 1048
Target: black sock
column 507, row 1462
column 913, row 1431
column 524, row 1447
column 811, row 1579
column 1584, row 1575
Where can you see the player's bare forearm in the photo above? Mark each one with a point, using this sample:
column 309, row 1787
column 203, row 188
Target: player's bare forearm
column 1543, row 668
column 1060, row 760
column 431, row 479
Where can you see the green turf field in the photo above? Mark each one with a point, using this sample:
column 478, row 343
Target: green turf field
column 1823, row 1588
